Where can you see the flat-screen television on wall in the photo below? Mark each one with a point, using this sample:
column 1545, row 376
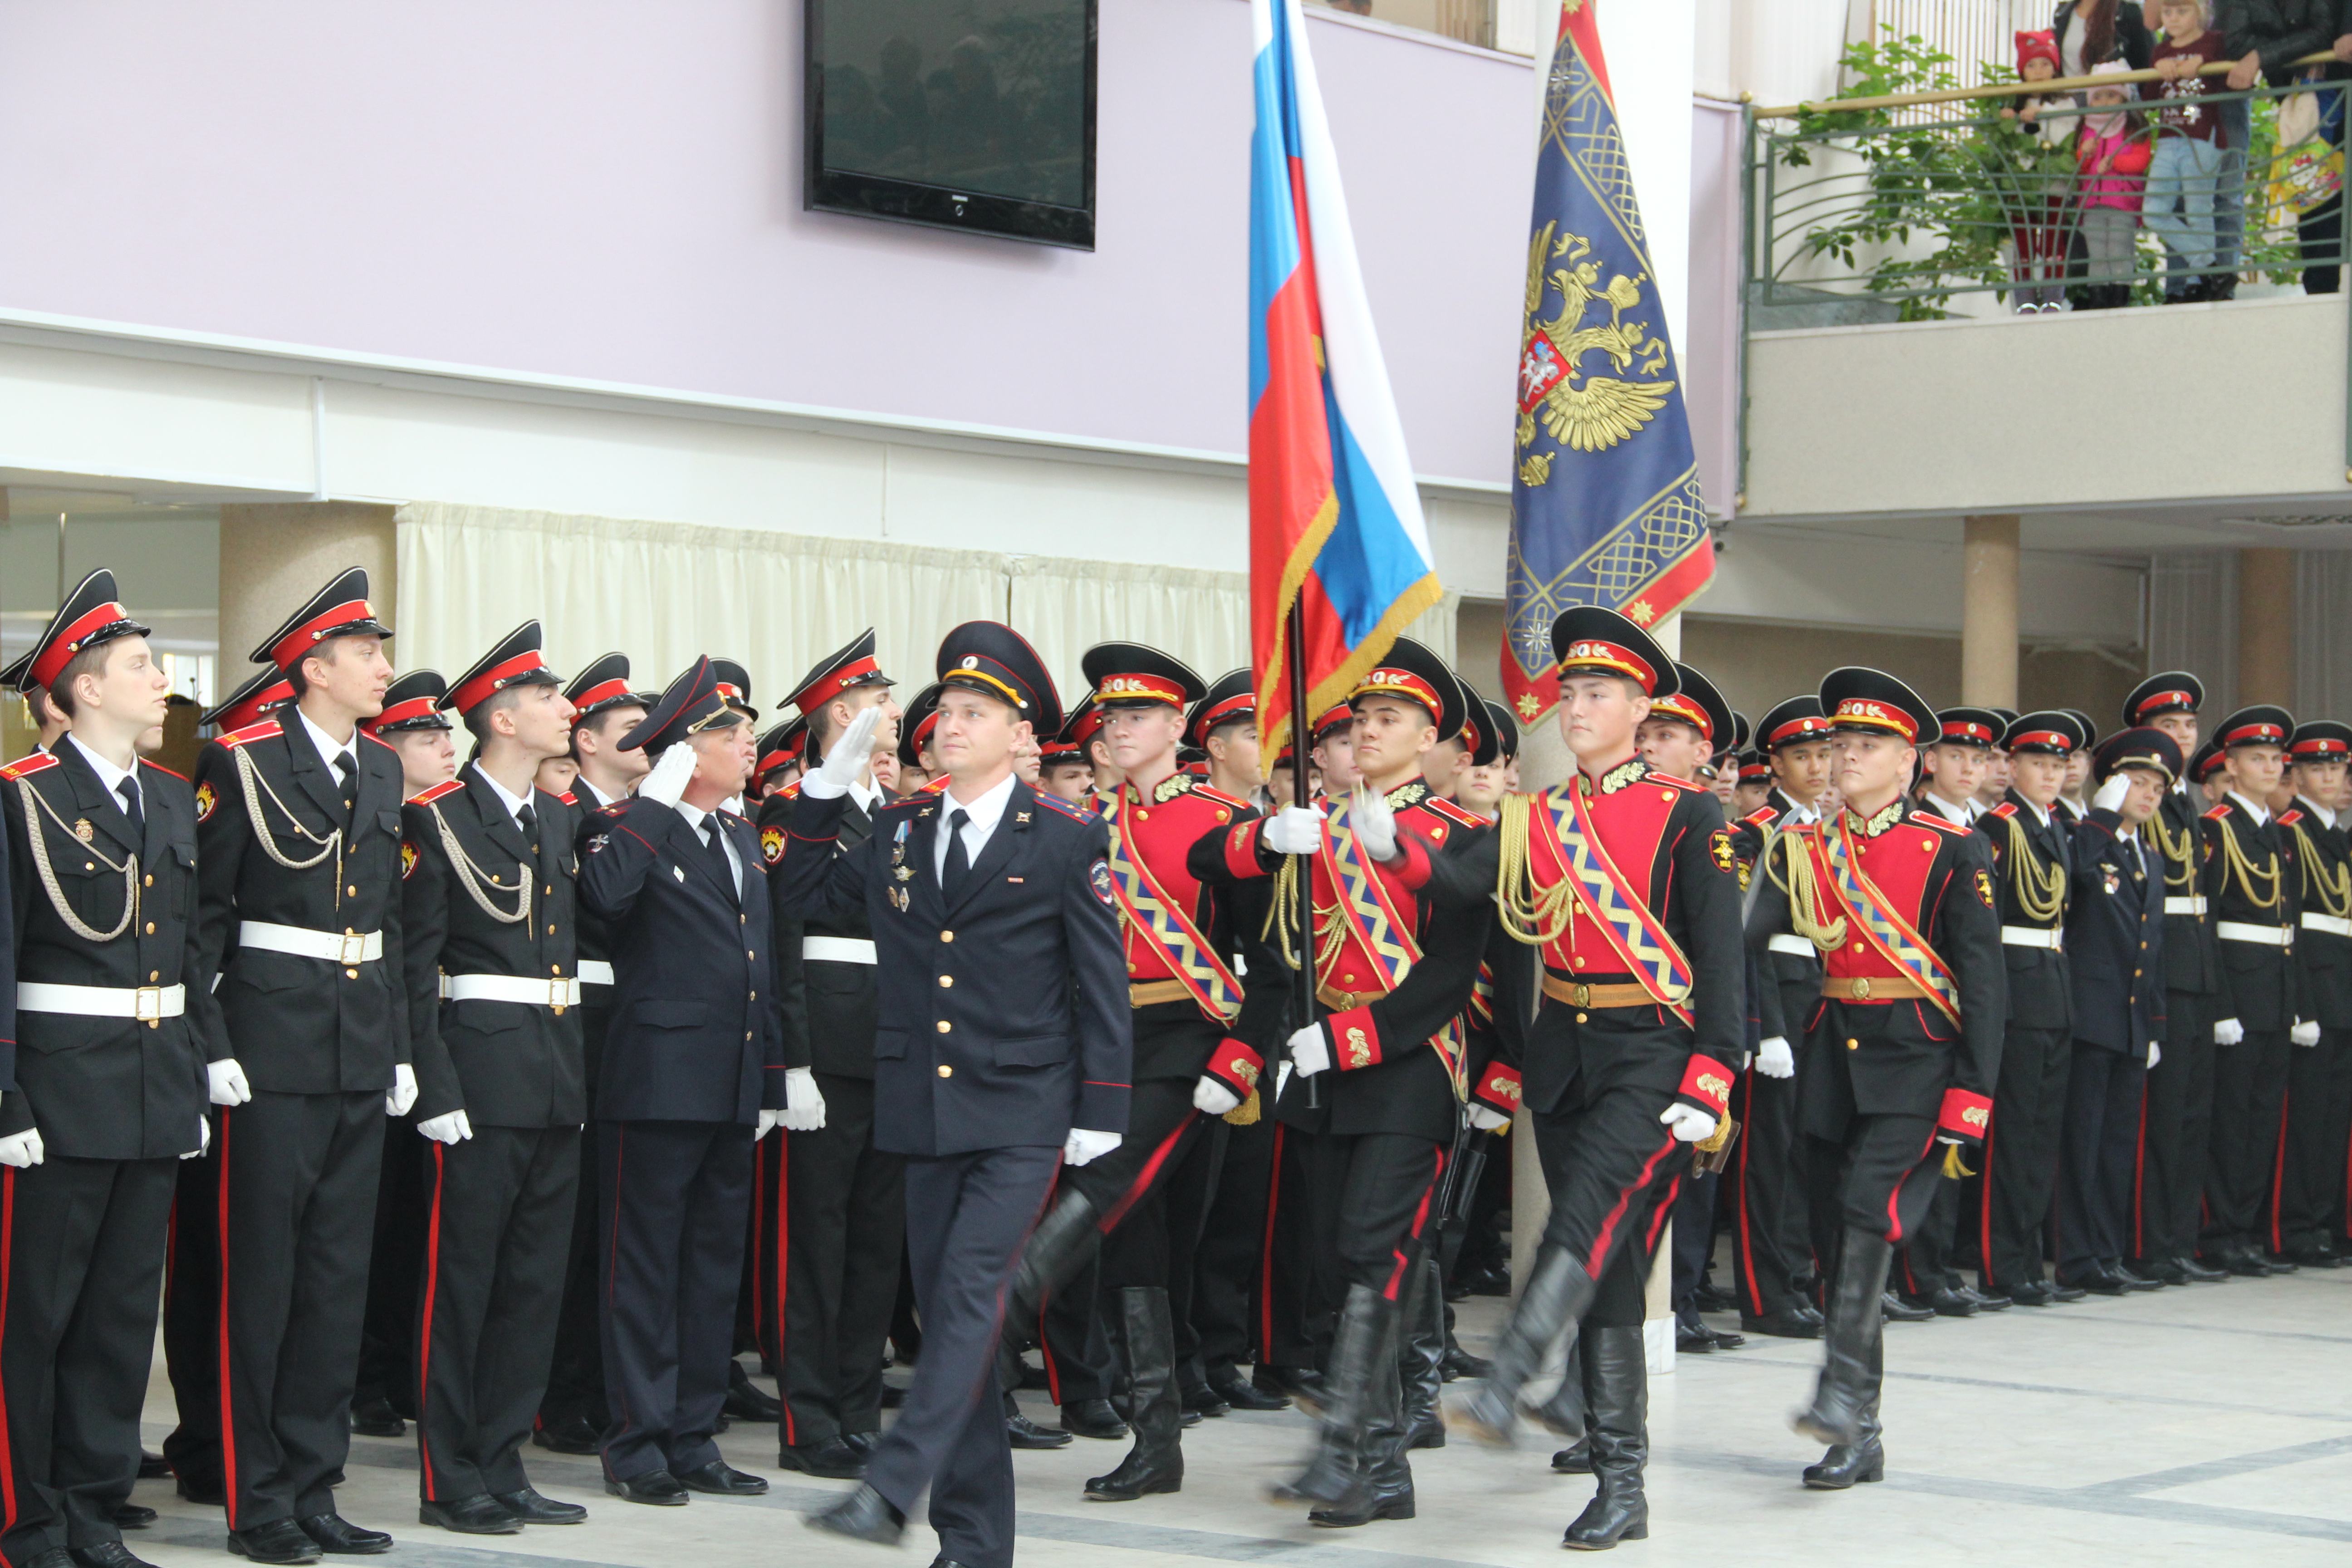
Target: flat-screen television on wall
column 964, row 114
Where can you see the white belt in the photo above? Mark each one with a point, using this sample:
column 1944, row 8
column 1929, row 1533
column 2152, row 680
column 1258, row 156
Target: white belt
column 2334, row 925
column 2052, row 937
column 595, row 972
column 549, row 993
column 2269, row 936
column 2189, row 904
column 326, row 946
column 1782, row 941
column 147, row 1003
column 838, row 949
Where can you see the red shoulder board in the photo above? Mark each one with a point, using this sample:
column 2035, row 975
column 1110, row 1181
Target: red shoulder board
column 935, row 786
column 790, row 792
column 427, row 796
column 25, row 767
column 566, row 798
column 1453, row 812
column 2006, row 809
column 162, row 769
column 379, row 739
column 1669, row 778
column 2218, row 813
column 615, row 809
column 1056, row 803
column 1762, row 816
column 1934, row 819
column 1220, row 797
column 2289, row 818
column 252, row 732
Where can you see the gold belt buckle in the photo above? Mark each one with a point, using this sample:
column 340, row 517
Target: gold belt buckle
column 354, row 947
column 147, row 1005
column 1859, row 990
column 1580, row 992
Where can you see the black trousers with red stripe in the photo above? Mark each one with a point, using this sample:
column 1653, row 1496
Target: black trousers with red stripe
column 2103, row 1092
column 1228, row 1257
column 2307, row 1197
column 1374, row 1196
column 2249, row 1082
column 1289, row 1305
column 1880, row 1176
column 1606, row 1159
column 498, row 1231
column 2021, row 1156
column 1765, row 1193
column 296, row 1201
column 2168, row 1207
column 575, row 1377
column 191, row 1320
column 82, row 1264
column 388, row 1365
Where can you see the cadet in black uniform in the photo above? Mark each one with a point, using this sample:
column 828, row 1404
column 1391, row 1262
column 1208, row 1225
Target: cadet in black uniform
column 835, row 1204
column 2177, row 1113
column 300, row 917
column 107, row 1090
column 1906, row 1039
column 2258, row 1007
column 2115, row 951
column 2031, row 872
column 2306, row 1211
column 693, row 1074
column 489, row 949
column 1002, row 1049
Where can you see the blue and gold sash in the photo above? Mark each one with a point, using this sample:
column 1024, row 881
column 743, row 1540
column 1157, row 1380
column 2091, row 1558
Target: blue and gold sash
column 1363, row 907
column 1885, row 930
column 1148, row 907
column 1623, row 915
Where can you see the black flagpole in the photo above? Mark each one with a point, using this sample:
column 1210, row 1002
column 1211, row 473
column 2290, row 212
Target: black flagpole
column 1302, row 867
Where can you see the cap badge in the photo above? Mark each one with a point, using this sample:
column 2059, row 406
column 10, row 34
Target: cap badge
column 971, row 661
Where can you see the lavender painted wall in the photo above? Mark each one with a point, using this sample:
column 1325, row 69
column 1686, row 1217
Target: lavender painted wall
column 608, row 189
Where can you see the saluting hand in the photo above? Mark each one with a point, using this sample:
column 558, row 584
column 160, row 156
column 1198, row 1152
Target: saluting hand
column 847, row 757
column 673, row 771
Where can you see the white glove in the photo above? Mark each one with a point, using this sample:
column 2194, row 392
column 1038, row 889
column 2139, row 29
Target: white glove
column 1375, row 823
column 1295, row 830
column 2228, row 1031
column 226, row 1081
column 804, row 1101
column 1214, row 1097
column 1775, row 1060
column 21, row 1148
column 671, row 774
column 767, row 1124
column 447, row 1128
column 2154, row 1053
column 204, row 1138
column 403, row 1090
column 844, row 759
column 1084, row 1147
column 1486, row 1119
column 1310, row 1053
column 2304, row 1034
column 2111, row 794
column 1687, row 1122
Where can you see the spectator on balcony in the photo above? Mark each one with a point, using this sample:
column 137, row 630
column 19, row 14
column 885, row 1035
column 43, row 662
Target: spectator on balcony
column 2112, row 153
column 2092, row 32
column 2190, row 145
column 2037, row 198
column 2266, row 37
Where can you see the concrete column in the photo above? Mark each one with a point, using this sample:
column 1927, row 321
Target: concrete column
column 1988, row 612
column 2266, row 626
column 273, row 557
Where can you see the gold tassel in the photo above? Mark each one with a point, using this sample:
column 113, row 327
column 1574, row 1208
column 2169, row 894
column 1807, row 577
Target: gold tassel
column 1246, row 1113
column 1953, row 1169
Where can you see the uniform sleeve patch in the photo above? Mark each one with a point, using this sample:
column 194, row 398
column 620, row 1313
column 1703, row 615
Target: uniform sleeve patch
column 207, row 801
column 1098, row 877
column 407, row 859
column 1719, row 850
column 1984, row 888
column 772, row 845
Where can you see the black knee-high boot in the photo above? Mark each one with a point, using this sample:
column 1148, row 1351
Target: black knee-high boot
column 1564, row 1413
column 1364, row 1343
column 1557, row 1292
column 1421, row 1365
column 1056, row 1249
column 1617, row 1396
column 1383, row 1487
column 1849, row 1369
column 1156, row 1463
column 1864, row 1458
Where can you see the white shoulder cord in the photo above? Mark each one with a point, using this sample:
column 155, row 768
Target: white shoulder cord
column 74, row 922
column 474, row 878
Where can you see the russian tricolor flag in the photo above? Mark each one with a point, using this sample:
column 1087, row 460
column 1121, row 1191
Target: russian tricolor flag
column 1334, row 518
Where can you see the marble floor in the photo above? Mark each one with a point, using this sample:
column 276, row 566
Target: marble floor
column 2183, row 1427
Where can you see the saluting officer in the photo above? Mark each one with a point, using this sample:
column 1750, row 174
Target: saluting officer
column 299, row 834
column 1002, row 1049
column 490, row 954
column 107, row 1090
column 693, row 1074
column 1906, row 1039
column 2306, row 1211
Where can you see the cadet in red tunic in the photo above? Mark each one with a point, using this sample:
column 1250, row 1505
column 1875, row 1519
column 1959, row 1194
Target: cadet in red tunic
column 1905, row 1044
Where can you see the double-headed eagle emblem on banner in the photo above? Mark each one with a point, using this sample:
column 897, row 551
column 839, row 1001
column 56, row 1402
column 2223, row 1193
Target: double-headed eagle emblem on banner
column 1577, row 408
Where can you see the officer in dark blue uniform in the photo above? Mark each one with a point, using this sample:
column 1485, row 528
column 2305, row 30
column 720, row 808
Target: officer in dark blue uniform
column 1004, row 1048
column 2115, row 948
column 693, row 1070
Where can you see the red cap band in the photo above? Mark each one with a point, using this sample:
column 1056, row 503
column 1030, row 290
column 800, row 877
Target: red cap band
column 1247, row 702
column 1592, row 653
column 1683, row 707
column 2050, row 737
column 833, row 683
column 290, row 649
column 2254, row 735
column 2319, row 746
column 68, row 643
column 602, row 691
column 1139, row 689
column 1962, row 729
column 1386, row 680
column 494, row 679
column 1877, row 716
column 1811, row 724
column 398, row 713
column 2156, row 699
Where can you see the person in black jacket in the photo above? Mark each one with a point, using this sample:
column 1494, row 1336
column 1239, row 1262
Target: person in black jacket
column 108, row 1088
column 2268, row 36
column 491, row 948
column 2115, row 950
column 2306, row 1213
column 696, row 1069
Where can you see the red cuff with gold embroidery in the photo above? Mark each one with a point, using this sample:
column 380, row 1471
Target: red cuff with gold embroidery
column 1354, row 1039
column 1707, row 1083
column 1499, row 1087
column 1965, row 1114
column 1235, row 1066
column 1241, row 850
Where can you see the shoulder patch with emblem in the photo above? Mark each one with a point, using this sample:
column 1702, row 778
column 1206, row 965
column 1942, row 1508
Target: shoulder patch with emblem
column 1098, row 877
column 772, row 845
column 1941, row 823
column 407, row 859
column 207, row 799
column 1719, row 850
column 1984, row 888
column 1056, row 803
column 1453, row 812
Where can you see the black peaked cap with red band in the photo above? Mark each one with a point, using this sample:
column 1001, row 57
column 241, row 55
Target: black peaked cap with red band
column 605, row 684
column 689, row 705
column 1506, row 728
column 780, row 745
column 1753, row 768
column 2151, row 749
column 843, row 669
column 1871, row 701
column 515, row 660
column 2168, row 692
column 1980, row 728
column 2320, row 741
column 735, row 686
column 2052, row 732
column 1696, row 702
column 266, row 690
column 340, row 609
column 1593, row 640
column 1129, row 675
column 2262, row 724
column 2090, row 726
column 1798, row 719
column 92, row 617
column 990, row 657
column 2007, row 716
column 1413, row 672
column 1230, row 697
column 2207, row 761
column 413, row 701
column 915, row 725
column 1743, row 729
column 1479, row 747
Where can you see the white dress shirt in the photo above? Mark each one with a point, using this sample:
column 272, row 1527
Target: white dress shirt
column 704, row 826
column 982, row 817
column 2260, row 814
column 513, row 803
column 328, row 750
column 596, row 797
column 2327, row 818
column 108, row 773
column 1954, row 813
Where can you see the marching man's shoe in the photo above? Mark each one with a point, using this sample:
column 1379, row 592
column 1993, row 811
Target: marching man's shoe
column 864, row 1515
column 659, row 1488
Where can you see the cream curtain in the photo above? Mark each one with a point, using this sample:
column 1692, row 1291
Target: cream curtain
column 663, row 593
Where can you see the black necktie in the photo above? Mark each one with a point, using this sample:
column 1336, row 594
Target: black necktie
column 528, row 820
column 128, row 790
column 718, row 848
column 343, row 776
column 959, row 860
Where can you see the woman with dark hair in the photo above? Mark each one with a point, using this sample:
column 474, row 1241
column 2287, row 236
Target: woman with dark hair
column 2093, row 31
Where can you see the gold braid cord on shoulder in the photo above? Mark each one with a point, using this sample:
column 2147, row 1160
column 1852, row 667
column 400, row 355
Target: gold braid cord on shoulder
column 2179, row 854
column 1804, row 893
column 476, row 880
column 2041, row 889
column 40, row 841
column 1532, row 917
column 2333, row 886
column 2235, row 864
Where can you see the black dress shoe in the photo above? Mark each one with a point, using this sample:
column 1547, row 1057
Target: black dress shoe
column 480, row 1514
column 1950, row 1301
column 2198, row 1273
column 1240, row 1392
column 2131, row 1283
column 1806, row 1312
column 1692, row 1336
column 2061, row 1291
column 107, row 1554
column 377, row 1418
column 2099, row 1284
column 1460, row 1363
column 152, row 1466
column 1093, row 1418
column 2279, row 1262
column 278, row 1540
column 2247, row 1265
column 864, row 1515
column 1198, row 1399
column 1708, row 1297
column 659, row 1488
column 339, row 1537
column 2162, row 1269
column 1780, row 1325
column 746, row 1401
column 2316, row 1258
column 528, row 1506
column 831, row 1458
column 54, row 1557
column 1897, row 1311
column 575, row 1436
column 722, row 1479
column 1986, row 1300
column 863, row 1443
column 2030, row 1293
column 131, row 1516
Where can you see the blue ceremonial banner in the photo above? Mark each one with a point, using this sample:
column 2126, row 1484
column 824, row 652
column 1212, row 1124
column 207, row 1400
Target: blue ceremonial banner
column 1605, row 503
